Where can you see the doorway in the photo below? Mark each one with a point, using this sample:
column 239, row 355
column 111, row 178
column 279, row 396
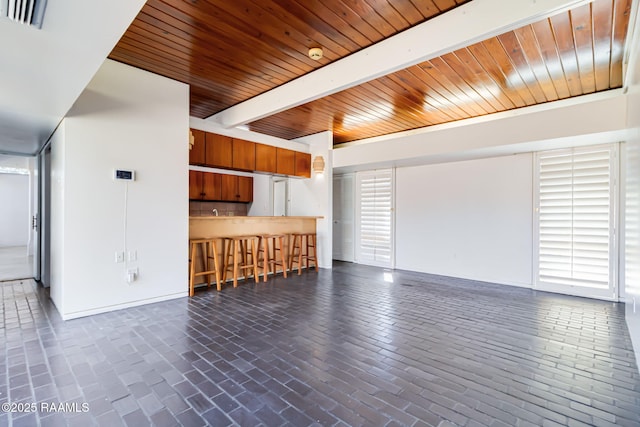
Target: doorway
column 343, row 215
column 18, row 210
column 281, row 199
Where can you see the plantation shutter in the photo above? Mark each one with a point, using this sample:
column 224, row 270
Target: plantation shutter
column 374, row 217
column 575, row 217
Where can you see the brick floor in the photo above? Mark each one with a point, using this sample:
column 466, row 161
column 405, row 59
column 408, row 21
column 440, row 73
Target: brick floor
column 340, row 347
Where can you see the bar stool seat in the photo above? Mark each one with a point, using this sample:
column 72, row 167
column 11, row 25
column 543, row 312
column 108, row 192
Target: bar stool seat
column 302, row 250
column 268, row 247
column 208, row 251
column 240, row 256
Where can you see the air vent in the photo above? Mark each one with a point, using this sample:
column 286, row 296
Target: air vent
column 28, row 12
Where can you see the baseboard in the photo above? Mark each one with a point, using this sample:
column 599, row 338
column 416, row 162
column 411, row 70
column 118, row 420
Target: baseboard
column 632, row 316
column 108, row 308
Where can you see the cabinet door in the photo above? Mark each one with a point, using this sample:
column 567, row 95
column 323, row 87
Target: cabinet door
column 219, row 150
column 266, row 158
column 244, row 155
column 285, row 163
column 195, row 185
column 211, row 186
column 196, row 153
column 303, row 164
column 245, row 189
column 229, row 188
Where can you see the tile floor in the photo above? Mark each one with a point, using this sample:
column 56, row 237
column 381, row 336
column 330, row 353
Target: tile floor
column 15, row 263
column 340, row 347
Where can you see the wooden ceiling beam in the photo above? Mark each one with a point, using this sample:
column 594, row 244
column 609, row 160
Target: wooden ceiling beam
column 473, row 22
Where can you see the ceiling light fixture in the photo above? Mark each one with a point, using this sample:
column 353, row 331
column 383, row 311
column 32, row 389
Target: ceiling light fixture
column 315, row 53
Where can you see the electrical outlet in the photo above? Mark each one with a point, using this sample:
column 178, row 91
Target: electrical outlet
column 132, row 275
column 132, row 256
column 119, row 256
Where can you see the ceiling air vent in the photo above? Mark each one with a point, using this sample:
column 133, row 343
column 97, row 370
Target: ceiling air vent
column 29, row 12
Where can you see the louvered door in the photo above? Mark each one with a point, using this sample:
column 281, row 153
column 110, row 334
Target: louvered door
column 576, row 221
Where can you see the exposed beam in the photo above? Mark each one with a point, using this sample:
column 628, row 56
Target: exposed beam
column 467, row 24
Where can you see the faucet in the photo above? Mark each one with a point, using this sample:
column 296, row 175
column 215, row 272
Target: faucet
column 215, row 211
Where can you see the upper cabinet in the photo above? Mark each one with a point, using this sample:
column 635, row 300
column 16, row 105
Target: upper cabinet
column 266, row 158
column 216, row 187
column 205, row 186
column 196, row 153
column 303, row 164
column 244, row 155
column 237, row 188
column 219, row 151
column 285, row 161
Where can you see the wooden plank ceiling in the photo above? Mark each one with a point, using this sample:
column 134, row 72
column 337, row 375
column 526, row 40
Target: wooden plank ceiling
column 230, row 51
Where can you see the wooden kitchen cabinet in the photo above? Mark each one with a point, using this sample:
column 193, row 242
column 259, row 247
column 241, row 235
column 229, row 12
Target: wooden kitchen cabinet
column 219, row 150
column 197, row 151
column 195, row 185
column 302, row 164
column 244, row 155
column 285, row 161
column 245, row 189
column 211, row 186
column 266, row 158
column 204, row 186
column 237, row 188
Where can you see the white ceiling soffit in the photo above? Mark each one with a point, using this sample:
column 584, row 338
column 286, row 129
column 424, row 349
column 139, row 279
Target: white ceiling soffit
column 473, row 22
column 43, row 71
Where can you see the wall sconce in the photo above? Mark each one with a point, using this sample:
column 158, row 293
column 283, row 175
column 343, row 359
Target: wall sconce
column 192, row 140
column 318, row 164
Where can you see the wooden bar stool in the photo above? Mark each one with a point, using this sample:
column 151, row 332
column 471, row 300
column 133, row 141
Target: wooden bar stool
column 240, row 255
column 302, row 250
column 268, row 247
column 209, row 251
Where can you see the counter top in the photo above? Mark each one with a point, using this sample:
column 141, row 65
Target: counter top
column 255, row 217
column 225, row 226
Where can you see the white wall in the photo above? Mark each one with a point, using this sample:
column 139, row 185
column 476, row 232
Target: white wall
column 314, row 197
column 262, row 203
column 14, row 210
column 57, row 218
column 468, row 219
column 631, row 168
column 128, row 119
column 631, row 273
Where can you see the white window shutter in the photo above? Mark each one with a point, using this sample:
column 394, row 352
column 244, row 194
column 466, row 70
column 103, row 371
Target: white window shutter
column 374, row 217
column 575, row 217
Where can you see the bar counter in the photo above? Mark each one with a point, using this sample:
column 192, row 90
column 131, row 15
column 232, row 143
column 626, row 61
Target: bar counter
column 202, row 227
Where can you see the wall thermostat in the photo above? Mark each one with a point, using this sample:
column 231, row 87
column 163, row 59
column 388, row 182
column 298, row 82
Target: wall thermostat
column 126, row 175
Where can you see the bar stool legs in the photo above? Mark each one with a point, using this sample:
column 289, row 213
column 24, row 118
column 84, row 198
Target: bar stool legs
column 209, row 251
column 241, row 255
column 302, row 250
column 268, row 246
